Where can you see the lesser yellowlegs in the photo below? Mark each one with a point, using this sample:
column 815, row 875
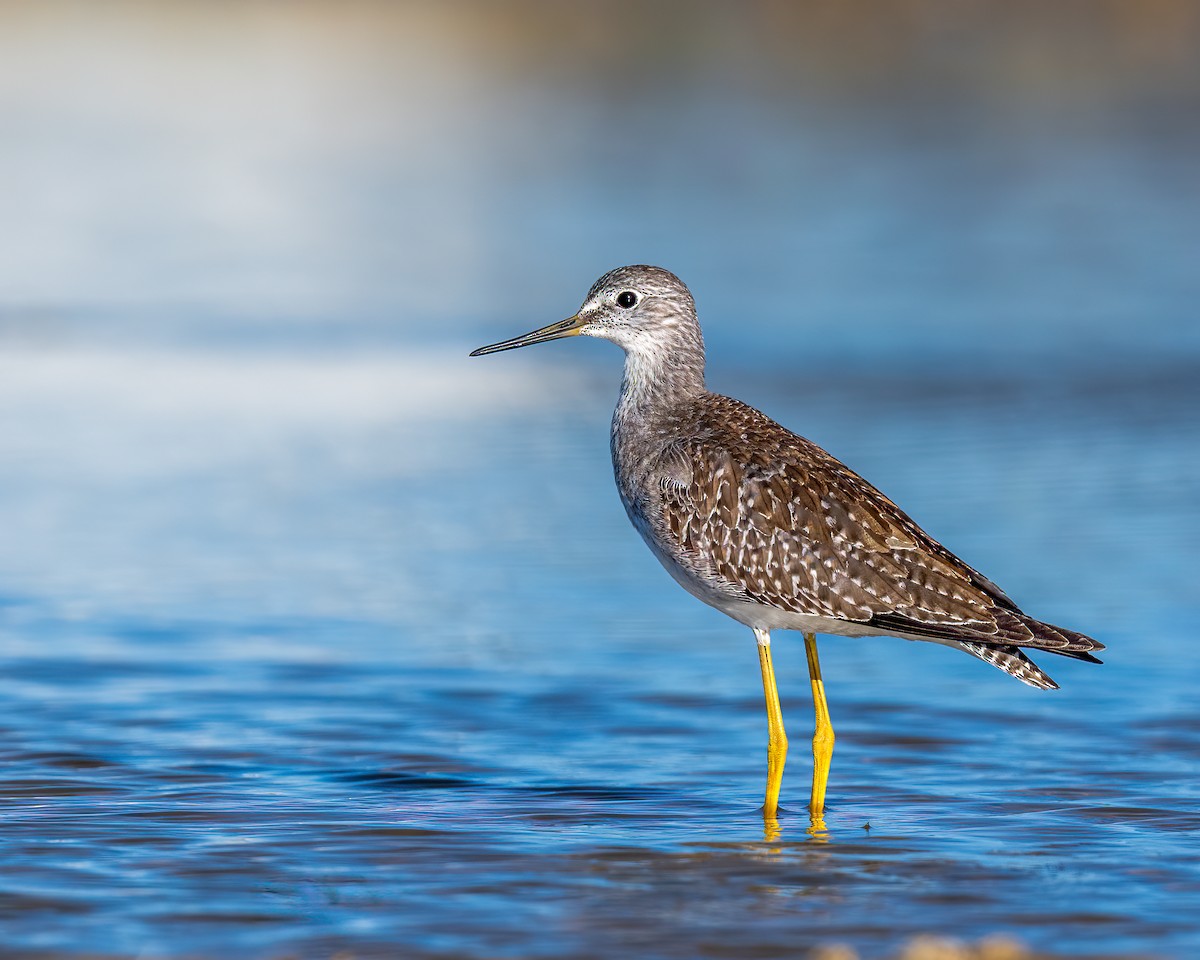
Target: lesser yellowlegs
column 770, row 529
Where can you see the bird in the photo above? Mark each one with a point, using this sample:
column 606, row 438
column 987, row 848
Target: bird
column 770, row 529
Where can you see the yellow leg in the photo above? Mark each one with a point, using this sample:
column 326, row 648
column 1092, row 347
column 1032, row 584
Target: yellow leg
column 776, row 736
column 823, row 735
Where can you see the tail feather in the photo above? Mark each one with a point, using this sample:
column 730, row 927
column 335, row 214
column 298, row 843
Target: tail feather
column 1070, row 643
column 1008, row 629
column 1012, row 661
column 999, row 642
column 1080, row 655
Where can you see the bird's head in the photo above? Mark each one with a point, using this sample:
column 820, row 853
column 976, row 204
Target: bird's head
column 644, row 310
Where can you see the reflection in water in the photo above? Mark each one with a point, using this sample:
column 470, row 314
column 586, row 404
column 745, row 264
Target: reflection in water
column 817, row 829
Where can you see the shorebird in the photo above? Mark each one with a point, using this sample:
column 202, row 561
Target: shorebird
column 767, row 527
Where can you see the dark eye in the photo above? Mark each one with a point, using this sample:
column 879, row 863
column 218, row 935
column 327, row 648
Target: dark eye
column 626, row 299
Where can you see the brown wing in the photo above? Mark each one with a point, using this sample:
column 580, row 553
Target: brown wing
column 781, row 522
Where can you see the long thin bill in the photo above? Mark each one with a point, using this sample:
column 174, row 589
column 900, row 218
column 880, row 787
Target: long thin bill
column 555, row 331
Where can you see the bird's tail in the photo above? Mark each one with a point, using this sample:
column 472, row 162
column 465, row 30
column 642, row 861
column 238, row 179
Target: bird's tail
column 1060, row 640
column 1045, row 636
column 1012, row 661
column 1001, row 647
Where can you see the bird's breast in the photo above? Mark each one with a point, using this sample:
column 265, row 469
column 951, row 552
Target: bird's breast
column 644, row 472
column 635, row 454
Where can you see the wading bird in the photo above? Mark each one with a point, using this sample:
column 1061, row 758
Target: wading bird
column 770, row 529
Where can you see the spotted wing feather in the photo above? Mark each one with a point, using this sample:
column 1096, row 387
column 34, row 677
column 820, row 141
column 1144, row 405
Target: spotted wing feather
column 779, row 521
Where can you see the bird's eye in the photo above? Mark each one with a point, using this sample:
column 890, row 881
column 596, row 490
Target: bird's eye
column 627, row 299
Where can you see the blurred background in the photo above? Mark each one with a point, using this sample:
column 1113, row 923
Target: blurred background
column 231, row 223
column 304, row 615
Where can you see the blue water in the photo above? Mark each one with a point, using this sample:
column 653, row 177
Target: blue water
column 292, row 685
column 319, row 638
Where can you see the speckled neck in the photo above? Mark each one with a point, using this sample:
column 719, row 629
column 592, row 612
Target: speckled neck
column 662, row 369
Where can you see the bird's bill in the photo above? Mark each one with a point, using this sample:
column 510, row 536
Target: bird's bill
column 571, row 327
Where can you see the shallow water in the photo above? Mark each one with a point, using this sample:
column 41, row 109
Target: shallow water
column 292, row 697
column 318, row 638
